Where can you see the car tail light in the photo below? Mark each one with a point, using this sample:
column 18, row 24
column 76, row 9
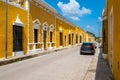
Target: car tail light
column 91, row 47
column 82, row 47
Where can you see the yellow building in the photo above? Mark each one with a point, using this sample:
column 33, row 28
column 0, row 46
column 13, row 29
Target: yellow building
column 90, row 37
column 16, row 23
column 42, row 26
column 112, row 33
column 105, row 31
column 30, row 25
column 65, row 32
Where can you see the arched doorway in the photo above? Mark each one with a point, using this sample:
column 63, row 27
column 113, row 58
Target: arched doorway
column 45, row 27
column 80, row 39
column 51, row 35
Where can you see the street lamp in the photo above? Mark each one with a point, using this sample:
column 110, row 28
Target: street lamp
column 98, row 33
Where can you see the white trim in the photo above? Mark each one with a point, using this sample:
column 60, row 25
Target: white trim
column 61, row 29
column 69, row 31
column 27, row 4
column 44, row 4
column 36, row 24
column 55, row 31
column 18, row 22
column 52, row 28
column 36, row 43
column 37, row 20
column 28, row 26
column 16, row 5
column 45, row 26
column 61, row 46
column 104, row 18
column 18, row 53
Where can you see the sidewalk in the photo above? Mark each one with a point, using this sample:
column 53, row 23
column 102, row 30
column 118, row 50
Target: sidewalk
column 99, row 69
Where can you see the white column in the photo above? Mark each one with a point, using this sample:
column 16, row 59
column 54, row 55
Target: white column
column 27, row 5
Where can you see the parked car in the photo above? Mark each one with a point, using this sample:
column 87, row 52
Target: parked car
column 87, row 48
column 95, row 45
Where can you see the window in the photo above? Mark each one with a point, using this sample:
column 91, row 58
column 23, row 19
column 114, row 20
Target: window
column 72, row 39
column 76, row 38
column 80, row 39
column 36, row 35
column 69, row 39
column 51, row 36
column 61, row 39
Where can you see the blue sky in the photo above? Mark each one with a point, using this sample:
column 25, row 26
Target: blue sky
column 84, row 13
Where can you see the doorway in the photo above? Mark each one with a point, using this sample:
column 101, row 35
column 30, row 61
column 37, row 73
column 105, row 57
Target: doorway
column 61, row 38
column 44, row 38
column 65, row 40
column 80, row 39
column 72, row 39
column 17, row 38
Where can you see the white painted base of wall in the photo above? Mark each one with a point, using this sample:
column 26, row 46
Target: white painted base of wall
column 18, row 53
column 34, row 51
column 61, row 46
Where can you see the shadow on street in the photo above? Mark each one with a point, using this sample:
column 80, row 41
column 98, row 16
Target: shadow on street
column 103, row 71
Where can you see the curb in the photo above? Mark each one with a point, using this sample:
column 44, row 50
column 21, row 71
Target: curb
column 91, row 71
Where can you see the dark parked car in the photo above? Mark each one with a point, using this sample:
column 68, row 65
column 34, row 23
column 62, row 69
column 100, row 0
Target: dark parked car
column 87, row 48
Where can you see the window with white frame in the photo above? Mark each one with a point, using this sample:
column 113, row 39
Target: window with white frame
column 36, row 35
column 51, row 36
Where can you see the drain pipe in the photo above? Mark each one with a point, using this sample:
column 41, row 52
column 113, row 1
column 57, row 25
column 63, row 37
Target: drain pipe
column 6, row 41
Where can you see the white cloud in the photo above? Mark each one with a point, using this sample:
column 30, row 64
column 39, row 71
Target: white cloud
column 73, row 9
column 89, row 27
column 99, row 18
column 75, row 18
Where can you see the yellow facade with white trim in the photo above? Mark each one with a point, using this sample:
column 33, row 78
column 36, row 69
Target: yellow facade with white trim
column 13, row 12
column 42, row 28
column 40, row 13
column 111, row 33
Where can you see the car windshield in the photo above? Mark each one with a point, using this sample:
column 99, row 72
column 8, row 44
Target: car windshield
column 87, row 44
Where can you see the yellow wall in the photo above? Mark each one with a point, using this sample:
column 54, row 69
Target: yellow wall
column 2, row 29
column 13, row 12
column 116, row 38
column 66, row 29
column 80, row 32
column 43, row 16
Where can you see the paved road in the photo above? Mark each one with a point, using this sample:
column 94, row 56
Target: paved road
column 67, row 64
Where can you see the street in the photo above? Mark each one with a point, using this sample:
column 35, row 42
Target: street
column 67, row 64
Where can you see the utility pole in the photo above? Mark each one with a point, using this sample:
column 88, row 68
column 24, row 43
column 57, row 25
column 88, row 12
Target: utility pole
column 98, row 33
column 6, row 40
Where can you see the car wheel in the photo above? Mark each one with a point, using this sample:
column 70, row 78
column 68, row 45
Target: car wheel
column 81, row 53
column 93, row 53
